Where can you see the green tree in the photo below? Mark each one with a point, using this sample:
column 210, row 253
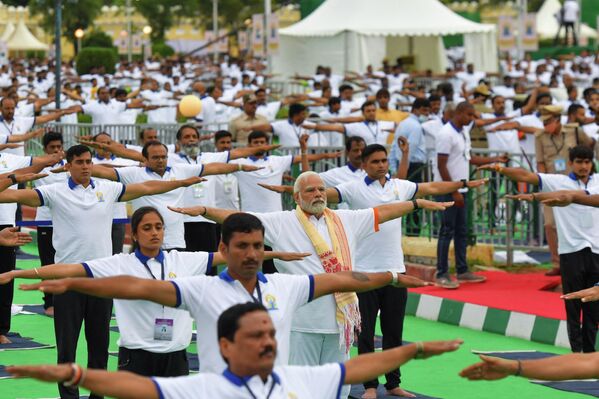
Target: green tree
column 163, row 14
column 75, row 14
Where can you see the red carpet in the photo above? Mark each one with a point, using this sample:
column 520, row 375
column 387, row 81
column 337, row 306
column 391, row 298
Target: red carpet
column 515, row 292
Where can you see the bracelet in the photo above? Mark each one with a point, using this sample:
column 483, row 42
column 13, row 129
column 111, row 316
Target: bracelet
column 415, row 202
column 36, row 272
column 240, row 167
column 394, row 278
column 464, row 183
column 13, row 178
column 419, row 350
column 205, row 212
column 519, row 371
column 533, row 196
column 75, row 377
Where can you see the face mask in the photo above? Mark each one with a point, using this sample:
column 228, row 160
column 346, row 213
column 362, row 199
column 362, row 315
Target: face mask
column 191, row 151
column 422, row 118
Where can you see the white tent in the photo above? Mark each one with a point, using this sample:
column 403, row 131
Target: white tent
column 10, row 28
column 547, row 23
column 23, row 40
column 351, row 34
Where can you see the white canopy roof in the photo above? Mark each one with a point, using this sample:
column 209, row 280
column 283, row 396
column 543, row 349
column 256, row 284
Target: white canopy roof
column 547, row 23
column 385, row 18
column 22, row 39
column 10, row 28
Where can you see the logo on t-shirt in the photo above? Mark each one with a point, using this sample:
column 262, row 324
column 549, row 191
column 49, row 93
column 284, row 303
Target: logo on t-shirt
column 271, row 302
column 172, row 275
column 100, row 196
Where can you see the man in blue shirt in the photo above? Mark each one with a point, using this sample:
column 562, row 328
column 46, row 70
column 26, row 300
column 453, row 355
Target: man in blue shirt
column 411, row 129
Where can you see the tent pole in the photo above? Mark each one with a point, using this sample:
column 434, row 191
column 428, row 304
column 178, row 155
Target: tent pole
column 58, row 52
column 346, row 48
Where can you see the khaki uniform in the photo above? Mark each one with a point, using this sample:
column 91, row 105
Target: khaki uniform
column 241, row 127
column 552, row 150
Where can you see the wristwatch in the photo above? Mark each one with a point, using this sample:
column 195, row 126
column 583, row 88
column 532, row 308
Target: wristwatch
column 13, row 178
column 464, row 183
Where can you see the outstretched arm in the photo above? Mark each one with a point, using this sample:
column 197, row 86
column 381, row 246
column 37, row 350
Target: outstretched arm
column 215, row 214
column 49, row 117
column 120, row 384
column 17, row 138
column 245, row 152
column 119, row 287
column 328, row 283
column 218, row 168
column 554, row 368
column 446, row 187
column 59, row 270
column 366, row 367
column 25, row 197
column 152, row 187
column 104, row 172
column 398, row 209
column 516, row 174
column 117, row 149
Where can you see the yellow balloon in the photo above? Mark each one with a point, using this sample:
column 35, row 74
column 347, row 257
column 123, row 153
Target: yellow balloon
column 190, row 106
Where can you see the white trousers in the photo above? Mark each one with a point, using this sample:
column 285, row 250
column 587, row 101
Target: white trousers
column 313, row 349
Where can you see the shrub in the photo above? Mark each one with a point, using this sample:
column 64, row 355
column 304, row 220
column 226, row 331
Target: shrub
column 90, row 57
column 97, row 38
column 162, row 49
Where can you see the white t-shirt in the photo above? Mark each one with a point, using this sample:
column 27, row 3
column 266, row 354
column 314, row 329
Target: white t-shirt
column 43, row 213
column 174, row 236
column 472, row 80
column 19, row 125
column 288, row 133
column 104, row 113
column 269, row 110
column 120, row 209
column 9, row 163
column 203, row 193
column 82, row 218
column 227, row 192
column 343, row 174
column 455, row 144
column 283, row 232
column 576, row 224
column 207, row 297
column 285, row 382
column 530, row 120
column 372, row 132
column 255, row 198
column 503, row 140
column 136, row 319
column 571, row 11
column 382, row 250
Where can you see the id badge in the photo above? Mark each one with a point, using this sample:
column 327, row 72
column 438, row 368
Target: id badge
column 198, row 190
column 228, row 187
column 163, row 329
column 559, row 164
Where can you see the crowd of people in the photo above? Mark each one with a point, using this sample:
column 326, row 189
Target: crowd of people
column 300, row 286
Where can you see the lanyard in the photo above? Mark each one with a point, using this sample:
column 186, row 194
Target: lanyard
column 259, row 292
column 558, row 150
column 151, row 274
column 272, row 388
column 298, row 132
column 12, row 126
column 375, row 135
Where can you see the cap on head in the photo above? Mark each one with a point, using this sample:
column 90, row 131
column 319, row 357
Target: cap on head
column 249, row 98
column 550, row 111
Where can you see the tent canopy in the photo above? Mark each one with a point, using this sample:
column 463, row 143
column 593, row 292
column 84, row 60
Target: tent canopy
column 352, row 34
column 22, row 39
column 547, row 23
column 8, row 31
column 386, row 18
